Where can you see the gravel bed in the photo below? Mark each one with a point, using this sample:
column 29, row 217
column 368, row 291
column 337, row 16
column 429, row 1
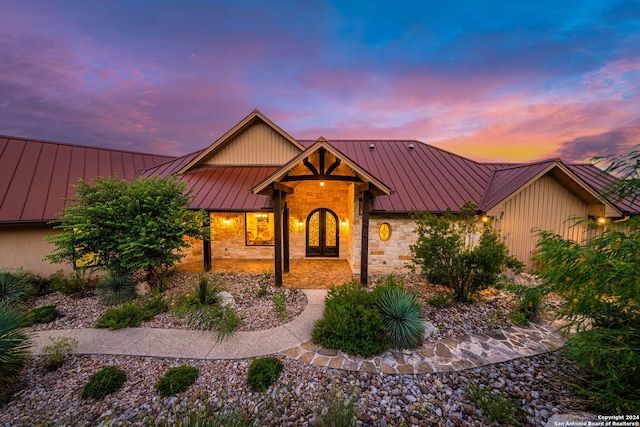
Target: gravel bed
column 537, row 385
column 257, row 313
column 52, row 398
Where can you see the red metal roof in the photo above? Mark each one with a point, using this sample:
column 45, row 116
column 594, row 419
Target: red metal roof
column 600, row 181
column 35, row 176
column 228, row 188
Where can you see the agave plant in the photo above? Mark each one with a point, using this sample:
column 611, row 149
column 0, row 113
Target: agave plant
column 403, row 320
column 16, row 287
column 115, row 289
column 14, row 348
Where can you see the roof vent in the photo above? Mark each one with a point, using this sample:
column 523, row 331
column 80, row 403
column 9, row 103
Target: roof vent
column 372, row 147
column 411, row 147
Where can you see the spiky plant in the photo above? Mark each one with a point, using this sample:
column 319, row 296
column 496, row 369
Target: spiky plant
column 16, row 287
column 208, row 289
column 115, row 289
column 403, row 320
column 14, row 348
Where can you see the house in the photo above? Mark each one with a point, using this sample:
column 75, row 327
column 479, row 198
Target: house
column 270, row 196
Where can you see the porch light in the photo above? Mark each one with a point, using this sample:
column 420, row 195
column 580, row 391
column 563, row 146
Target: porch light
column 344, row 222
column 485, row 219
column 300, row 223
column 321, row 183
column 601, row 220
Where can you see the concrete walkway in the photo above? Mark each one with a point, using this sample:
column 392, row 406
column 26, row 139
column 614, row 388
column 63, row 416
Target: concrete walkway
column 294, row 340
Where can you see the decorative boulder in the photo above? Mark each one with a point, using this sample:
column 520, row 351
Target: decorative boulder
column 227, row 299
column 143, row 288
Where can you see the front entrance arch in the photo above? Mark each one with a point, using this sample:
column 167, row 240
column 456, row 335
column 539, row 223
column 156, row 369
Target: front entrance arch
column 323, row 233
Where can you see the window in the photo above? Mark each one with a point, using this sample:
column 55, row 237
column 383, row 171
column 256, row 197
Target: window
column 259, row 228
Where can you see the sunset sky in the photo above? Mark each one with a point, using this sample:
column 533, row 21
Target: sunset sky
column 489, row 80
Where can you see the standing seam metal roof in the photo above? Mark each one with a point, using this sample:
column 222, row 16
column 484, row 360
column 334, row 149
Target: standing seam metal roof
column 35, row 176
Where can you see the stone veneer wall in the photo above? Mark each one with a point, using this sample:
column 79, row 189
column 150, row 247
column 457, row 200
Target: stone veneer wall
column 385, row 257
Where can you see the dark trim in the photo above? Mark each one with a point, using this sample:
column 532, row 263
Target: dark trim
column 285, row 238
column 321, row 178
column 277, row 225
column 206, row 245
column 364, row 247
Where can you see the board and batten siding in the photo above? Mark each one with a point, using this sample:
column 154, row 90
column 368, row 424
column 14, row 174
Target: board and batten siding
column 258, row 145
column 544, row 204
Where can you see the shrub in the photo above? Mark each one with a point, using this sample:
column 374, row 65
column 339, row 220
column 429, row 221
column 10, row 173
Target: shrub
column 204, row 309
column 16, row 288
column 529, row 305
column 337, row 410
column 448, row 254
column 279, row 299
column 104, row 382
column 496, row 406
column 44, row 314
column 598, row 279
column 442, row 301
column 403, row 321
column 14, row 347
column 115, row 289
column 263, row 372
column 206, row 416
column 132, row 314
column 608, row 359
column 79, row 283
column 56, row 353
column 177, row 380
column 351, row 322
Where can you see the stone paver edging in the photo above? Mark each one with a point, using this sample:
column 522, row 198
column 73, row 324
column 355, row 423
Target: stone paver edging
column 440, row 354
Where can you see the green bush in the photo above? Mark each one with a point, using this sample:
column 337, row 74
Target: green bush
column 337, row 410
column 79, row 283
column 442, row 301
column 115, row 289
column 55, row 354
column 448, row 254
column 351, row 322
column 14, row 347
column 598, row 279
column 43, row 314
column 402, row 317
column 208, row 289
column 609, row 360
column 16, row 288
column 177, row 380
column 104, row 382
column 132, row 314
column 279, row 299
column 263, row 372
column 496, row 406
column 529, row 304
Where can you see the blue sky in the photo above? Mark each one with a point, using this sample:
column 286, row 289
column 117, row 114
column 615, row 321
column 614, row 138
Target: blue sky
column 490, row 80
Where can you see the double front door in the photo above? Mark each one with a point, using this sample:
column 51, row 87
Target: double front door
column 322, row 233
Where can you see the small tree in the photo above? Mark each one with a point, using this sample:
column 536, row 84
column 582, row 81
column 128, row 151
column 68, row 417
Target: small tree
column 122, row 226
column 599, row 279
column 451, row 251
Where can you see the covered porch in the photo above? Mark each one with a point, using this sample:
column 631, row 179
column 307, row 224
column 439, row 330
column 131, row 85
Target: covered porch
column 319, row 273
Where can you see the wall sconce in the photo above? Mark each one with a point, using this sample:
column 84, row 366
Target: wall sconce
column 601, row 220
column 344, row 222
column 485, row 219
column 300, row 223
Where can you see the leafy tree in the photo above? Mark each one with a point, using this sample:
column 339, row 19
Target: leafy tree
column 451, row 251
column 122, row 226
column 600, row 281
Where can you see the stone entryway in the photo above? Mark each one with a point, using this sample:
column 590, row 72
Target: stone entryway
column 318, row 273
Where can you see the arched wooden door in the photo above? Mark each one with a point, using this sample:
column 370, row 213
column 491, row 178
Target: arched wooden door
column 322, row 233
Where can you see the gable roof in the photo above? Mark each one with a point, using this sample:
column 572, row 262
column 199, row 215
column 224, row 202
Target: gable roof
column 322, row 144
column 35, row 176
column 254, row 117
column 507, row 182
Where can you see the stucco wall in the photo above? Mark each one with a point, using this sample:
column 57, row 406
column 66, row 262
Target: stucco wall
column 25, row 247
